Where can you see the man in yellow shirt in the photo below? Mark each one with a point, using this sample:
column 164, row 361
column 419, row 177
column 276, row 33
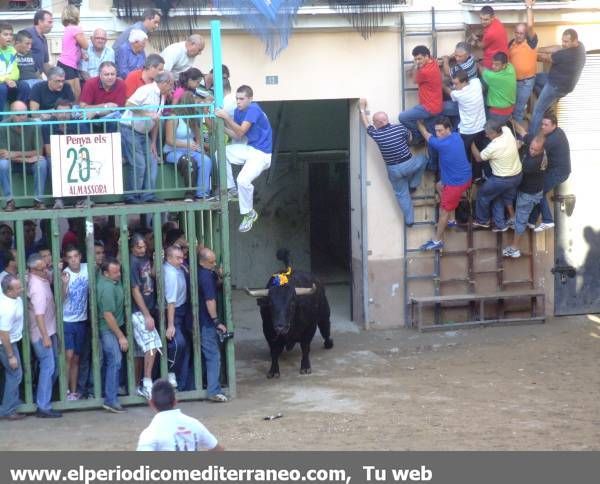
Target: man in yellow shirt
column 500, row 189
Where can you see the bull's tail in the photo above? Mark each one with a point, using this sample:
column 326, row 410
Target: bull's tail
column 283, row 255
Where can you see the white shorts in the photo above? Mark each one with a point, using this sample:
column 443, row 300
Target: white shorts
column 144, row 340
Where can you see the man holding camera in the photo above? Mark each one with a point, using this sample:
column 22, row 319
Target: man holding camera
column 210, row 325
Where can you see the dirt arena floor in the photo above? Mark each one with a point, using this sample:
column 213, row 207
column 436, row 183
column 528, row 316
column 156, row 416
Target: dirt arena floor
column 514, row 388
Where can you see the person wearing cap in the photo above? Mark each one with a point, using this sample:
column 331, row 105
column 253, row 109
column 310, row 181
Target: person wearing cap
column 131, row 56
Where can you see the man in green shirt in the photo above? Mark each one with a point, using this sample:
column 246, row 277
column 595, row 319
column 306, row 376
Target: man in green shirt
column 501, row 82
column 21, row 147
column 111, row 318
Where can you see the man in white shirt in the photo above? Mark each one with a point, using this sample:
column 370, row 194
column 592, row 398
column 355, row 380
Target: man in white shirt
column 467, row 94
column 75, row 317
column 11, row 332
column 180, row 56
column 139, row 138
column 171, row 429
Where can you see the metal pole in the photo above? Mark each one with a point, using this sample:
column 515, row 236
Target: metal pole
column 363, row 223
column 215, row 28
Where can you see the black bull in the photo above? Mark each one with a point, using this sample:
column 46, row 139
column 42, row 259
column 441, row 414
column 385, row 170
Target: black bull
column 291, row 313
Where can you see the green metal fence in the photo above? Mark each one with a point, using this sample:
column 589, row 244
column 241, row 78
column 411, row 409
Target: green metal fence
column 204, row 222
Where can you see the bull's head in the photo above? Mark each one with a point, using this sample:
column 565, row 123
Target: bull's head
column 282, row 302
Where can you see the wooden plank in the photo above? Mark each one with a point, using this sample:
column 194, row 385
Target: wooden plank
column 476, row 297
column 481, row 324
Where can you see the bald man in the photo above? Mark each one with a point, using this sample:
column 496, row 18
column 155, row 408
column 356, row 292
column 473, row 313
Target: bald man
column 530, row 191
column 522, row 53
column 97, row 53
column 210, row 325
column 404, row 169
column 20, row 145
column 180, row 56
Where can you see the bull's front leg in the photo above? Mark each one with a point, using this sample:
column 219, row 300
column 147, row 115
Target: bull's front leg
column 305, row 363
column 276, row 350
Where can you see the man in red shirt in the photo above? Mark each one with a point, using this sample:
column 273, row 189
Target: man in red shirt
column 104, row 91
column 152, row 67
column 495, row 38
column 428, row 77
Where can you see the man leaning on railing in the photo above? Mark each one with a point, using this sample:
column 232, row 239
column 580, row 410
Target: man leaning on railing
column 139, row 133
column 20, row 149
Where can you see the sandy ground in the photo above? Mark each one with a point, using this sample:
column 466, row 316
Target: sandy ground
column 528, row 387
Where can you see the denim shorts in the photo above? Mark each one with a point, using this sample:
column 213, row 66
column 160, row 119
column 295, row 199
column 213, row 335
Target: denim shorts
column 75, row 334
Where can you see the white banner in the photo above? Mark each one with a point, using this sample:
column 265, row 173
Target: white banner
column 86, row 165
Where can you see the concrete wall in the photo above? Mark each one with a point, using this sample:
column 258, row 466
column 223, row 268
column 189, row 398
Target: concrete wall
column 320, row 63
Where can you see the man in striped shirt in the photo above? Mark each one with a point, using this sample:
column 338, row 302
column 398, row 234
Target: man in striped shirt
column 404, row 170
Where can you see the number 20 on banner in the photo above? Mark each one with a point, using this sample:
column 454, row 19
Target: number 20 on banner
column 86, row 165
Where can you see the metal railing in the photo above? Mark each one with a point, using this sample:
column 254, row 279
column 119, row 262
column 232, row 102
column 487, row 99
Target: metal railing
column 167, row 181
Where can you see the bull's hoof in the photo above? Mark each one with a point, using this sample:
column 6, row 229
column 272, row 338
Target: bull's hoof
column 328, row 344
column 305, row 371
column 272, row 374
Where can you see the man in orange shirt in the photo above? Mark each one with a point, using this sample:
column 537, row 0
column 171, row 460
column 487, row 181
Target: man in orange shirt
column 154, row 64
column 428, row 77
column 522, row 52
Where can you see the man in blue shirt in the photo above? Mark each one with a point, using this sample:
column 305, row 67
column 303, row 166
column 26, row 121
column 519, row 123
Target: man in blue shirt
column 178, row 346
column 130, row 55
column 404, row 170
column 455, row 174
column 210, row 325
column 248, row 120
column 42, row 25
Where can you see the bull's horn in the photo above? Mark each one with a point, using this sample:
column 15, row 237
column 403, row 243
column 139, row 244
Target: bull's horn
column 305, row 291
column 257, row 292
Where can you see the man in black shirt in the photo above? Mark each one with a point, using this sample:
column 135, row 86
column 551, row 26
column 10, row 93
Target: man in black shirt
column 559, row 168
column 45, row 94
column 143, row 314
column 566, row 66
column 530, row 192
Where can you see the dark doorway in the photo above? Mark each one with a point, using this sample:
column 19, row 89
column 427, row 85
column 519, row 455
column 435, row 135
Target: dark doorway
column 329, row 186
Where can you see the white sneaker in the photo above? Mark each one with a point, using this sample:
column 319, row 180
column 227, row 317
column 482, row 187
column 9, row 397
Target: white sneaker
column 544, row 226
column 248, row 221
column 144, row 391
column 172, row 379
column 531, row 226
column 511, row 252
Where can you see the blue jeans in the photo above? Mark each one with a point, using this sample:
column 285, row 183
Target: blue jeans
column 525, row 204
column 548, row 95
column 75, row 335
column 39, row 170
column 211, row 353
column 178, row 350
column 12, row 380
column 112, row 365
column 204, row 164
column 404, row 176
column 410, row 117
column 18, row 93
column 48, row 359
column 551, row 181
column 141, row 167
column 524, row 90
column 498, row 192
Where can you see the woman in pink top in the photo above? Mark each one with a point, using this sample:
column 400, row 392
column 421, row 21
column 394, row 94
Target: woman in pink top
column 188, row 81
column 74, row 45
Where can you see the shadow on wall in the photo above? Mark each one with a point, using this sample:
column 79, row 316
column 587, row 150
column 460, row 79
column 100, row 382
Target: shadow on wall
column 590, row 287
